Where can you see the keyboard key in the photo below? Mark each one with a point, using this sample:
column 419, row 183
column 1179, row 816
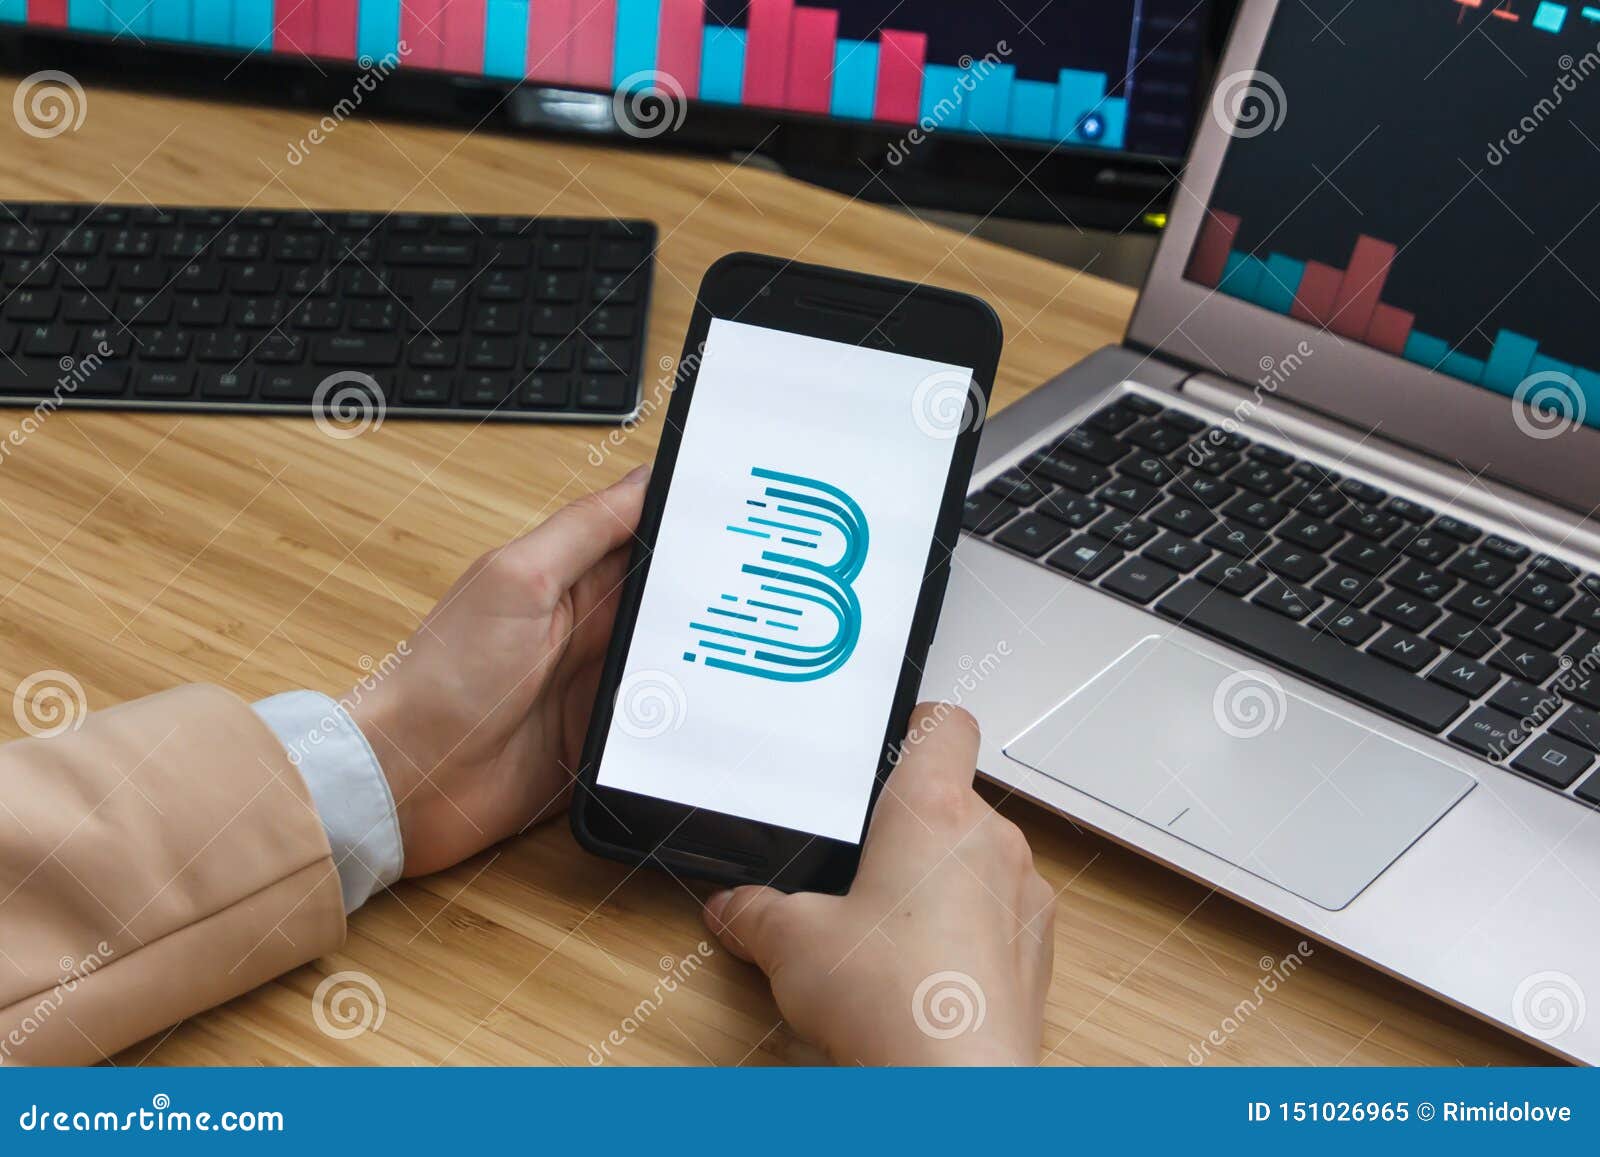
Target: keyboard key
column 1457, row 529
column 1033, row 534
column 1237, row 578
column 1404, row 649
column 1589, row 790
column 1585, row 613
column 1490, row 733
column 1430, row 547
column 1458, row 633
column 1159, row 437
column 1533, row 705
column 1311, row 533
column 1554, row 568
column 1525, row 662
column 609, row 393
column 1188, row 423
column 1018, row 487
column 1374, row 524
column 1140, row 579
column 1480, row 603
column 986, row 513
column 1534, row 627
column 1504, row 548
column 1287, row 599
column 1087, row 557
column 1348, row 587
column 1543, row 593
column 1179, row 553
column 1126, row 494
column 1554, row 761
column 153, row 382
column 1124, row 531
column 546, row 391
column 1363, row 491
column 1580, row 725
column 1259, row 478
column 1239, row 541
column 1261, row 513
column 1067, row 470
column 1292, row 562
column 1322, row 659
column 1113, row 419
column 1349, row 626
column 1365, row 555
column 1097, row 447
column 1406, row 610
column 1410, row 511
column 1073, row 509
column 1147, row 468
column 1204, row 489
column 1423, row 581
column 1463, row 675
column 1187, row 518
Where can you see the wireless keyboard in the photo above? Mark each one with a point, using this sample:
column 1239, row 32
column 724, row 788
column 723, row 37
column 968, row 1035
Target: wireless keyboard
column 260, row 311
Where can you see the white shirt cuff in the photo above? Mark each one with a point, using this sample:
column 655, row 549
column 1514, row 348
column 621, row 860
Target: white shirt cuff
column 347, row 786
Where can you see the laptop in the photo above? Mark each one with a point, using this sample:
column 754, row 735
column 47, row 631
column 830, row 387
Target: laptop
column 1297, row 590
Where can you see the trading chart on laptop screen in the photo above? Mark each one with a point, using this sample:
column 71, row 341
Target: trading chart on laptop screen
column 1418, row 176
column 1110, row 74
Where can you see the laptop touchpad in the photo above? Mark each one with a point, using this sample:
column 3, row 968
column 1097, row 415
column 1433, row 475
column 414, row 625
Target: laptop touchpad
column 1230, row 760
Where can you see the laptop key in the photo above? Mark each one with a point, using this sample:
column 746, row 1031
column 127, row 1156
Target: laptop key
column 1113, row 419
column 1287, row 599
column 1374, row 524
column 1292, row 562
column 1261, row 513
column 1140, row 580
column 1483, row 569
column 1479, row 603
column 1408, row 510
column 1463, row 675
column 1531, row 704
column 1404, row 649
column 1581, row 725
column 1556, row 569
column 1554, row 761
column 1589, row 790
column 1431, row 547
column 1204, row 489
column 1092, row 444
column 1159, row 437
column 1149, row 468
column 1525, row 662
column 1584, row 613
column 1179, row 553
column 1188, row 518
column 984, row 513
column 1542, row 593
column 1490, row 733
column 1363, row 491
column 1422, row 580
column 1457, row 529
column 1239, row 541
column 1018, row 487
column 1315, row 656
column 1532, row 626
column 1237, row 578
column 1126, row 494
column 1033, row 534
column 1505, row 548
column 1349, row 626
column 1311, row 533
column 1087, row 557
column 1405, row 610
column 1348, row 587
column 1365, row 555
column 1140, row 404
column 1124, row 531
column 1458, row 633
column 1073, row 509
column 1067, row 470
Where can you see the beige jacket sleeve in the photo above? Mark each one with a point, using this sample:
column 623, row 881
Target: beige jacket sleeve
column 159, row 860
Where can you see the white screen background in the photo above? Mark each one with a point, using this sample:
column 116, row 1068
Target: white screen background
column 799, row 755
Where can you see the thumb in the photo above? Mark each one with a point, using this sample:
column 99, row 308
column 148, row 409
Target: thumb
column 753, row 923
column 577, row 537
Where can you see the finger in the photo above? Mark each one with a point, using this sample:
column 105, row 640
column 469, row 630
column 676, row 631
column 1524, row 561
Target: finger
column 749, row 921
column 575, row 538
column 940, row 751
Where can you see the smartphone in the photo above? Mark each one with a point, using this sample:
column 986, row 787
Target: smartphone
column 788, row 575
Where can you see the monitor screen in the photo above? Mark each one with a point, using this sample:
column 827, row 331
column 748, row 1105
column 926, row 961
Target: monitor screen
column 1117, row 75
column 1411, row 175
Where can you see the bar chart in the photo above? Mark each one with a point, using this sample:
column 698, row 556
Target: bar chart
column 1349, row 302
column 786, row 56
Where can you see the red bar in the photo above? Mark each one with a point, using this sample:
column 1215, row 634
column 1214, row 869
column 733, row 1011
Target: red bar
column 463, row 36
column 811, row 52
column 766, row 52
column 1210, row 257
column 1363, row 287
column 593, row 43
column 1390, row 329
column 50, row 13
column 1313, row 301
column 336, row 28
column 549, row 50
column 901, row 57
column 295, row 29
column 422, row 32
column 681, row 41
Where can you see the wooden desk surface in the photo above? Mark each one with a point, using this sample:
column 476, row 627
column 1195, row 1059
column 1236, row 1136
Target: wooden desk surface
column 143, row 551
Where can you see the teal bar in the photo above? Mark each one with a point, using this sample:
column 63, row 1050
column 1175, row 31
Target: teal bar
column 1463, row 367
column 1242, row 275
column 638, row 34
column 1426, row 350
column 1033, row 110
column 943, row 99
column 505, row 39
column 1114, row 112
column 855, row 79
column 989, row 105
column 1279, row 283
column 378, row 29
column 1509, row 361
column 88, row 15
column 213, row 24
column 170, row 19
column 252, row 24
column 130, row 16
column 722, row 65
column 1077, row 95
column 13, row 11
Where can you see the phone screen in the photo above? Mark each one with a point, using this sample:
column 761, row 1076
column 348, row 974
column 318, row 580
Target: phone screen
column 774, row 623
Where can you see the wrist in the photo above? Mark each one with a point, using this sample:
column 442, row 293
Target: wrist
column 377, row 723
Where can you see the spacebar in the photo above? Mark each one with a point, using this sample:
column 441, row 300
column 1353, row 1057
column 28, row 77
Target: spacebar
column 1317, row 657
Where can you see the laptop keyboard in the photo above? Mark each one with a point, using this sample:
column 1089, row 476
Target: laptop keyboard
column 222, row 309
column 1416, row 614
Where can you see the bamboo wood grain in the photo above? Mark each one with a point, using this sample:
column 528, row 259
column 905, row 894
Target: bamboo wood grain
column 140, row 551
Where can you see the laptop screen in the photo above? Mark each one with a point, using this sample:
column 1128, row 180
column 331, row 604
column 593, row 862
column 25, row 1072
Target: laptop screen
column 1113, row 75
column 1415, row 176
